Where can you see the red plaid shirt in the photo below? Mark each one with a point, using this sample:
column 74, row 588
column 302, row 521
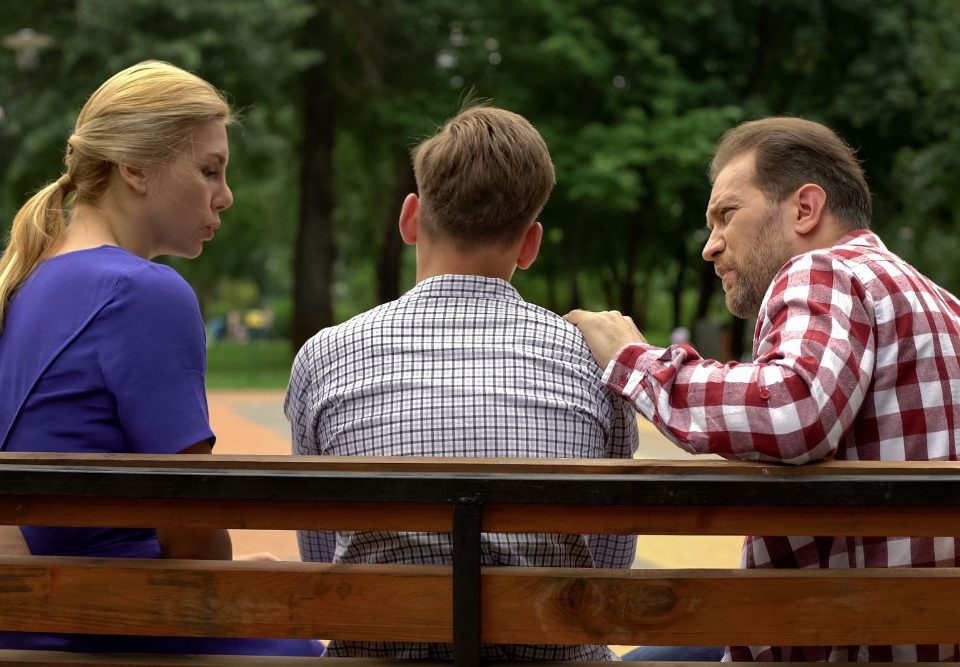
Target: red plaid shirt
column 855, row 357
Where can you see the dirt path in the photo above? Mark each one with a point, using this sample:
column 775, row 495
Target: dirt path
column 247, row 422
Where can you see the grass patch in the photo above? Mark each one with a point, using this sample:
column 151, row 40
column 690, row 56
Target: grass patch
column 262, row 364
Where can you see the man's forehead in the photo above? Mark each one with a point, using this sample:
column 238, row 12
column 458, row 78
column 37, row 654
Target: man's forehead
column 733, row 178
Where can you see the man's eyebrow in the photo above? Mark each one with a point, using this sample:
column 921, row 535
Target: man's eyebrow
column 722, row 203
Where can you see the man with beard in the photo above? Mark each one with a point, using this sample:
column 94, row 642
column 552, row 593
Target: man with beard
column 854, row 353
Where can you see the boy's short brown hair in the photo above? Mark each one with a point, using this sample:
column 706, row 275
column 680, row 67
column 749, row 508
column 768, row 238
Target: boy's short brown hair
column 793, row 151
column 483, row 177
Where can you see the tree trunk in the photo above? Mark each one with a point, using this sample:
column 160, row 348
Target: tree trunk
column 576, row 296
column 315, row 253
column 549, row 273
column 706, row 286
column 677, row 292
column 628, row 282
column 738, row 331
column 391, row 248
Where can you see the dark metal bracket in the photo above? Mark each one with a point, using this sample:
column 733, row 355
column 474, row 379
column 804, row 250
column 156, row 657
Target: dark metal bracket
column 466, row 583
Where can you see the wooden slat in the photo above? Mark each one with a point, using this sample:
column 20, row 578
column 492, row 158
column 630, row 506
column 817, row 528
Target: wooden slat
column 436, row 517
column 655, row 487
column 73, row 511
column 717, row 607
column 112, row 660
column 8, row 657
column 719, row 520
column 225, row 599
column 484, row 465
column 520, row 605
column 145, row 660
column 108, row 660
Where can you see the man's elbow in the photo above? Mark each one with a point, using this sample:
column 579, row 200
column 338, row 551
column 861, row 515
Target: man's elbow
column 799, row 449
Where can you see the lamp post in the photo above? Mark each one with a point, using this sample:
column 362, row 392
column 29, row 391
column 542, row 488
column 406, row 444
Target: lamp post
column 27, row 44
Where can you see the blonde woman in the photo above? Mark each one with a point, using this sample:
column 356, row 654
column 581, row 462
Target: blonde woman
column 102, row 350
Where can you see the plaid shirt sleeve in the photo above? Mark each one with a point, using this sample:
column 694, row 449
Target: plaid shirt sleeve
column 299, row 407
column 298, row 403
column 618, row 551
column 623, row 441
column 813, row 362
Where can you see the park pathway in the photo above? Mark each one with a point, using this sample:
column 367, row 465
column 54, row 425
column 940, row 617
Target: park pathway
column 252, row 422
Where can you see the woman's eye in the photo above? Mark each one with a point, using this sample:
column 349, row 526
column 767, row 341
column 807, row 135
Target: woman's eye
column 210, row 173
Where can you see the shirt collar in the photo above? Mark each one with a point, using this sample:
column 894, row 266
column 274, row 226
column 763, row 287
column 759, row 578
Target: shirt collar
column 861, row 237
column 458, row 286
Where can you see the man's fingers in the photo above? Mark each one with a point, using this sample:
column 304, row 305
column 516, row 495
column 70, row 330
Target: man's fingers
column 577, row 316
column 607, row 317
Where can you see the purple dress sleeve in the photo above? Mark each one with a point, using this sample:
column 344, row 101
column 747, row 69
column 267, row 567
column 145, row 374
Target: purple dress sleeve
column 154, row 362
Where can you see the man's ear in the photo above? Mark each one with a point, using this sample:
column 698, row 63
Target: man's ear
column 810, row 204
column 530, row 246
column 135, row 177
column 410, row 219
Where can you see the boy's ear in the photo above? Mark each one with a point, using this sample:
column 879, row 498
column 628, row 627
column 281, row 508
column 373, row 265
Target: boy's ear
column 410, row 219
column 530, row 246
column 135, row 177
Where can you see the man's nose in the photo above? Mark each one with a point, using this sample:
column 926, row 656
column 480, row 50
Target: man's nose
column 714, row 246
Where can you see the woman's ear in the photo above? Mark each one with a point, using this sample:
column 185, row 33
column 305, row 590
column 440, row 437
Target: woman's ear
column 134, row 177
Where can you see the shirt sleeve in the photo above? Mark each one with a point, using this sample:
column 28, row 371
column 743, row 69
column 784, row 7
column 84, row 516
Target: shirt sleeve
column 300, row 406
column 624, row 437
column 299, row 403
column 154, row 360
column 617, row 551
column 814, row 359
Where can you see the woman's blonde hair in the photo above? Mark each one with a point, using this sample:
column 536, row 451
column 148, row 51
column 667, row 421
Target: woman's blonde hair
column 139, row 117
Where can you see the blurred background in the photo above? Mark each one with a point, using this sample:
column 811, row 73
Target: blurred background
column 630, row 96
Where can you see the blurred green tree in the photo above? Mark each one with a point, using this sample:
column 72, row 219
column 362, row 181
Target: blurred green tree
column 631, row 97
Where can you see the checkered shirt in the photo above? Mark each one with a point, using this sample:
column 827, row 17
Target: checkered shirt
column 855, row 358
column 458, row 366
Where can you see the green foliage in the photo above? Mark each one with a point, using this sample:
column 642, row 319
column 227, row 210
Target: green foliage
column 630, row 96
column 255, row 365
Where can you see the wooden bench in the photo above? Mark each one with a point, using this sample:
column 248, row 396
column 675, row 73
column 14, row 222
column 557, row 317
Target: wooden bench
column 467, row 603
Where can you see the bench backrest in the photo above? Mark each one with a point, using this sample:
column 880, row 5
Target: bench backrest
column 466, row 603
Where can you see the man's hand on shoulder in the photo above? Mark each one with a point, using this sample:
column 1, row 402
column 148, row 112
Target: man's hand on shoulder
column 605, row 332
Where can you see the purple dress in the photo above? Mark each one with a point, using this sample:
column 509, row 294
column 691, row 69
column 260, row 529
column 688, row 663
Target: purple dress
column 104, row 352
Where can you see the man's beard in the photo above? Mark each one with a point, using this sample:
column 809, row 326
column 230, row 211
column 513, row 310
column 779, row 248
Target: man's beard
column 755, row 269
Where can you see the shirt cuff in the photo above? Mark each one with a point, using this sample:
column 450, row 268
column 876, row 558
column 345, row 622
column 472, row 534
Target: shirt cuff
column 628, row 366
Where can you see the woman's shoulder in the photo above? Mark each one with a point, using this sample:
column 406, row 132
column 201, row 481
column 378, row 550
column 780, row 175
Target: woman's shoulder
column 118, row 274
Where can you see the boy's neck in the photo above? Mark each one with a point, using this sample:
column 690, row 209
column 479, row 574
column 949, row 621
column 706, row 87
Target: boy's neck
column 437, row 259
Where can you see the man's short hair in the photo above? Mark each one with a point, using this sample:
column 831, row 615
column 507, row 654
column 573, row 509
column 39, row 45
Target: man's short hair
column 791, row 152
column 483, row 177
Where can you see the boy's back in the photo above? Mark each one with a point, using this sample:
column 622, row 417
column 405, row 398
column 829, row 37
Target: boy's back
column 462, row 366
column 459, row 366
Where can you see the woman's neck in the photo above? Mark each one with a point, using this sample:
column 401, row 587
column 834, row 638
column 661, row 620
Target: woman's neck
column 91, row 226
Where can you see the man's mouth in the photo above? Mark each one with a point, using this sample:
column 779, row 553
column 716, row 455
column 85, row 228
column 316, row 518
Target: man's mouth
column 725, row 275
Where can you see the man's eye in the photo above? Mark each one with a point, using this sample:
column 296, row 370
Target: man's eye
column 210, row 173
column 727, row 213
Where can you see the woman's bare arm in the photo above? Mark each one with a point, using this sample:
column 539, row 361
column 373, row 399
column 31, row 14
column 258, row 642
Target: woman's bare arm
column 199, row 543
